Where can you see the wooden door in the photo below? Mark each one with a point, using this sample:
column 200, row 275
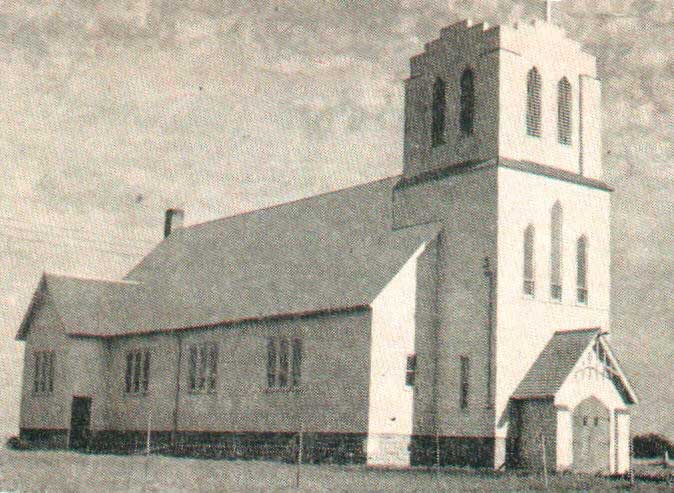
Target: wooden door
column 80, row 421
column 591, row 439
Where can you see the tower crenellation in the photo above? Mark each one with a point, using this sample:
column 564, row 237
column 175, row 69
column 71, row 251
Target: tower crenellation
column 453, row 118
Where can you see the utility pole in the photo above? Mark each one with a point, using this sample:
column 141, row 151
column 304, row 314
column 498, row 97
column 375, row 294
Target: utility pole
column 490, row 275
column 300, row 437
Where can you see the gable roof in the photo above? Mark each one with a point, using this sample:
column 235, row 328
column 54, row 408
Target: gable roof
column 555, row 363
column 324, row 253
column 557, row 360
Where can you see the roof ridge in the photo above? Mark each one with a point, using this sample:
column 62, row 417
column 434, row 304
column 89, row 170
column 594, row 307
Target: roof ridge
column 94, row 279
column 575, row 331
column 281, row 204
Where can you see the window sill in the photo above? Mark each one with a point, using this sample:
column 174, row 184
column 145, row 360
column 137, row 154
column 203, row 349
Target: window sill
column 42, row 394
column 284, row 390
column 200, row 393
column 136, row 395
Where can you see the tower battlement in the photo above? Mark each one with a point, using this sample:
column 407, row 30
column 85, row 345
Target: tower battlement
column 469, row 98
column 516, row 38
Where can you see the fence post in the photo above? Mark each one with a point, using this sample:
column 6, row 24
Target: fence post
column 631, row 464
column 149, row 432
column 545, row 461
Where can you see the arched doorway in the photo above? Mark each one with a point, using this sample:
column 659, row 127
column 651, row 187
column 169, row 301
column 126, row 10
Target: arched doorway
column 591, row 439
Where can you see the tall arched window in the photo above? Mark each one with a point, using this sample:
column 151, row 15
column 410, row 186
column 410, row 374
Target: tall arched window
column 529, row 286
column 581, row 270
column 556, row 219
column 438, row 125
column 564, row 111
column 534, row 103
column 467, row 114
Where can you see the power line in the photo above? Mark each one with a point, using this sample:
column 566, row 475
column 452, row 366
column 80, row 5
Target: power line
column 76, row 239
column 62, row 228
column 55, row 243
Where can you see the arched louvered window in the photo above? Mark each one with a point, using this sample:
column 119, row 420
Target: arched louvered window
column 556, row 220
column 581, row 270
column 529, row 286
column 467, row 113
column 564, row 111
column 438, row 124
column 534, row 103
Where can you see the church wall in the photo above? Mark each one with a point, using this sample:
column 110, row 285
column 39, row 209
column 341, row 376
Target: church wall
column 526, row 198
column 538, row 437
column 466, row 205
column 590, row 133
column 87, row 372
column 425, row 341
column 333, row 396
column 469, row 238
column 544, row 46
column 391, row 399
column 622, row 432
column 459, row 47
column 50, row 412
column 134, row 412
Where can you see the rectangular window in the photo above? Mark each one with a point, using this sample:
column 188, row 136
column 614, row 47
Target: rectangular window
column 146, row 371
column 192, row 372
column 136, row 371
column 271, row 362
column 137, row 375
column 284, row 362
column 556, row 253
column 213, row 368
column 203, row 368
column 297, row 362
column 129, row 372
column 43, row 378
column 581, row 270
column 410, row 372
column 464, row 383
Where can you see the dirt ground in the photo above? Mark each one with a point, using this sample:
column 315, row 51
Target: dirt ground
column 68, row 471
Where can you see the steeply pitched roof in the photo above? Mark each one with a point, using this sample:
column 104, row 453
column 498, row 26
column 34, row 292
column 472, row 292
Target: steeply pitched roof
column 555, row 363
column 557, row 360
column 323, row 253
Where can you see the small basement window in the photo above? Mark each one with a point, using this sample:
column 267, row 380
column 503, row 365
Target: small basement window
column 411, row 371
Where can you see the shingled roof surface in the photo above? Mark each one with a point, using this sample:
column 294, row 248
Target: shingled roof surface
column 328, row 252
column 554, row 364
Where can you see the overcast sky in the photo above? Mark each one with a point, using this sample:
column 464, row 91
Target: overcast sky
column 112, row 111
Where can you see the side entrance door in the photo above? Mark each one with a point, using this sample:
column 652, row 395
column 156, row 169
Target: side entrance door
column 591, row 437
column 80, row 420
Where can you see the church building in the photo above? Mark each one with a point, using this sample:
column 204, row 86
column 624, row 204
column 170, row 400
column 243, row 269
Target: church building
column 455, row 314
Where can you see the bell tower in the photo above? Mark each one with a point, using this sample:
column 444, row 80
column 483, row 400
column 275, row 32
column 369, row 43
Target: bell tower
column 524, row 92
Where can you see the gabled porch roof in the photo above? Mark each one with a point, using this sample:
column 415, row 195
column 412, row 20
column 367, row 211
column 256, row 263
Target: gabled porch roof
column 557, row 360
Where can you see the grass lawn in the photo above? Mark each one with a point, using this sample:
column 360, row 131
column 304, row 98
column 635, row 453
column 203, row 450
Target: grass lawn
column 67, row 471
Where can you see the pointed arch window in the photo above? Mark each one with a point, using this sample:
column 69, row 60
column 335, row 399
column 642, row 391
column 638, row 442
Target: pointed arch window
column 529, row 286
column 438, row 123
column 581, row 270
column 564, row 103
column 534, row 103
column 467, row 113
column 556, row 219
